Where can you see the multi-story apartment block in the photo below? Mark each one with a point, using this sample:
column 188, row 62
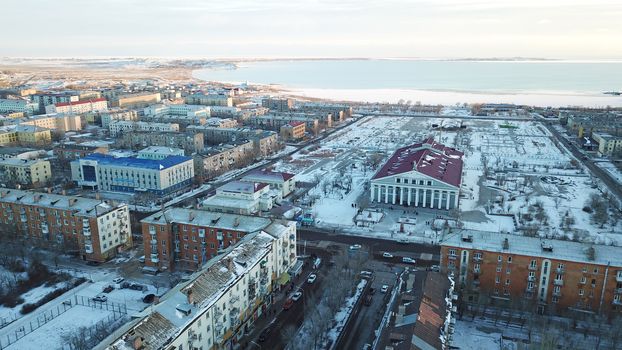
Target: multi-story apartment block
column 242, row 197
column 278, row 104
column 33, row 135
column 135, row 100
column 293, row 131
column 608, row 144
column 338, row 112
column 426, row 174
column 117, row 127
column 313, row 123
column 78, row 107
column 72, row 150
column 220, row 159
column 159, row 152
column 57, row 122
column 264, row 142
column 51, row 98
column 182, row 110
column 29, row 172
column 209, row 100
column 221, row 302
column 129, row 174
column 221, row 123
column 548, row 275
column 94, row 228
column 18, row 105
column 117, row 114
column 190, row 142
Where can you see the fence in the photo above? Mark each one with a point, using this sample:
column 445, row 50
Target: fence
column 118, row 310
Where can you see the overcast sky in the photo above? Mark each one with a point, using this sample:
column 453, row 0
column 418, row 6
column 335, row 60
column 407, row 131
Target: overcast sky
column 575, row 29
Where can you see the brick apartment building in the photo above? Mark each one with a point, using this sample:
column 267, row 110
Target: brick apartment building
column 185, row 239
column 547, row 276
column 97, row 230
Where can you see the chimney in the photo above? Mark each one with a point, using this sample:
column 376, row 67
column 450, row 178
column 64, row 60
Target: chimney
column 72, row 201
column 49, row 190
column 236, row 222
column 190, row 296
column 191, row 215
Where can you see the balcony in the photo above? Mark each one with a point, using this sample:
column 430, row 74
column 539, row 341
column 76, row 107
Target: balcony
column 531, row 278
column 558, row 282
column 557, row 293
column 153, row 242
column 86, row 231
column 88, row 248
column 530, row 289
column 560, row 270
column 452, row 257
column 619, row 277
column 152, row 231
column 617, row 301
column 234, row 299
column 44, row 229
column 23, row 218
column 477, row 259
column 201, row 233
column 154, row 258
column 532, row 267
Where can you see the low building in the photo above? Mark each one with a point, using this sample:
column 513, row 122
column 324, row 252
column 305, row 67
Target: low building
column 118, row 114
column 209, row 100
column 426, row 174
column 159, row 152
column 78, row 107
column 28, row 172
column 190, row 142
column 95, row 229
column 241, row 197
column 541, row 275
column 217, row 160
column 73, row 150
column 284, row 182
column 221, row 302
column 129, row 174
column 135, row 100
column 293, row 131
column 18, row 105
column 278, row 104
column 122, row 127
column 608, row 145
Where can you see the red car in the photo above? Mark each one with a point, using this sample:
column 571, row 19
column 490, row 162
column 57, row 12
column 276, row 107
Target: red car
column 288, row 304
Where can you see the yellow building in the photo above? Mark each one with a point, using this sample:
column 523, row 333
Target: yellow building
column 25, row 171
column 608, row 145
column 8, row 136
column 33, row 135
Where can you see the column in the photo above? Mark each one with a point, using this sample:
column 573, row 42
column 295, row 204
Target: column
column 447, row 200
column 425, row 195
column 393, row 199
column 401, row 195
column 409, row 192
column 440, row 199
column 386, row 194
column 456, row 199
column 371, row 194
column 378, row 193
column 432, row 192
column 416, row 197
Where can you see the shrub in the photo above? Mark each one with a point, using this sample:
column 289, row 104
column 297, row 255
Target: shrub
column 587, row 209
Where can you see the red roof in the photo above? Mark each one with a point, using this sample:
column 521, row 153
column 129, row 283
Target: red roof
column 63, row 104
column 296, row 123
column 429, row 158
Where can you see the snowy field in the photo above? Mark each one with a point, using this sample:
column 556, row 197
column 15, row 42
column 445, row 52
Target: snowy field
column 516, row 177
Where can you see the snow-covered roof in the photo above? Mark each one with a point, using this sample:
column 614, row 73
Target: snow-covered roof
column 79, row 205
column 242, row 187
column 268, row 176
column 533, row 246
column 205, row 218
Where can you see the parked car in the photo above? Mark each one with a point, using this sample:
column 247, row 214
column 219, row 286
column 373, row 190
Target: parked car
column 101, row 298
column 367, row 274
column 296, row 296
column 355, row 247
column 149, row 298
column 387, row 255
column 408, row 260
column 136, row 286
column 141, row 259
column 435, row 268
column 288, row 304
column 316, row 263
column 118, row 280
column 312, row 278
column 385, row 288
column 372, row 290
column 265, row 333
column 108, row 289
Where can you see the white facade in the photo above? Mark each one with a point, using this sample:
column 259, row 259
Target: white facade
column 241, row 197
column 14, row 105
column 119, row 126
column 159, row 152
column 414, row 189
column 100, row 104
column 109, row 116
column 162, row 110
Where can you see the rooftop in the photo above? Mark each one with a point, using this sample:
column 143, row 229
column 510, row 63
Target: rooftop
column 154, row 164
column 79, row 205
column 208, row 219
column 429, row 158
column 63, row 104
column 20, row 162
column 242, row 187
column 267, row 176
column 536, row 247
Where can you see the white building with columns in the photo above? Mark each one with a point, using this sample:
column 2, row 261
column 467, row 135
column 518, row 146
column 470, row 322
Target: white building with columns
column 426, row 174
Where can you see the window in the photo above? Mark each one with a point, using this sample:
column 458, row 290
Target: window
column 452, row 252
column 508, row 271
column 496, row 291
column 497, row 279
column 498, row 268
column 596, row 270
column 583, row 280
column 397, row 179
column 477, row 256
column 509, row 259
column 581, row 292
column 476, row 268
column 499, row 258
column 507, row 281
column 533, row 264
column 593, row 283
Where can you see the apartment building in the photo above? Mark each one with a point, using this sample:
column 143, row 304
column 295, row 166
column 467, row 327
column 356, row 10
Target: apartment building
column 221, row 123
column 264, row 142
column 209, row 100
column 190, row 142
column 28, row 172
column 130, row 174
column 117, row 127
column 96, row 229
column 281, row 181
column 548, row 276
column 426, row 174
column 118, row 114
column 51, row 98
column 78, row 107
column 72, row 150
column 608, row 145
column 182, row 110
column 278, row 104
column 135, row 100
column 220, row 159
column 293, row 131
column 159, row 152
column 221, row 302
column 338, row 112
column 57, row 122
column 33, row 135
column 313, row 123
column 18, row 105
column 242, row 197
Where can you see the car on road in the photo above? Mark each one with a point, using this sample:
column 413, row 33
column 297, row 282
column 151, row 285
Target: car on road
column 118, row 280
column 435, row 268
column 385, row 288
column 387, row 255
column 263, row 336
column 408, row 260
column 288, row 304
column 312, row 278
column 296, row 296
column 355, row 247
column 101, row 298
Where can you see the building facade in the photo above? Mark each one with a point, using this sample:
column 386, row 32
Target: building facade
column 111, row 115
column 284, row 182
column 135, row 100
column 159, row 152
column 425, row 174
column 293, row 131
column 29, row 172
column 57, row 122
column 608, row 145
column 190, row 142
column 122, row 127
column 209, row 100
column 241, row 197
column 18, row 105
column 73, row 150
column 220, row 159
column 52, row 98
column 97, row 230
column 129, row 174
column 78, row 107
column 551, row 276
column 278, row 104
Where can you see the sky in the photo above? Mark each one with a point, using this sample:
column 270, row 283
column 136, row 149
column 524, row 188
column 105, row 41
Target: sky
column 562, row 29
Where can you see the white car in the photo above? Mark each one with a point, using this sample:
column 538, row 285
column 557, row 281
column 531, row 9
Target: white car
column 385, row 288
column 355, row 247
column 312, row 278
column 296, row 296
column 118, row 280
column 435, row 268
column 387, row 255
column 408, row 260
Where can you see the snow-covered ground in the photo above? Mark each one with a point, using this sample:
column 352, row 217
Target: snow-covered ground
column 614, row 171
column 468, row 336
